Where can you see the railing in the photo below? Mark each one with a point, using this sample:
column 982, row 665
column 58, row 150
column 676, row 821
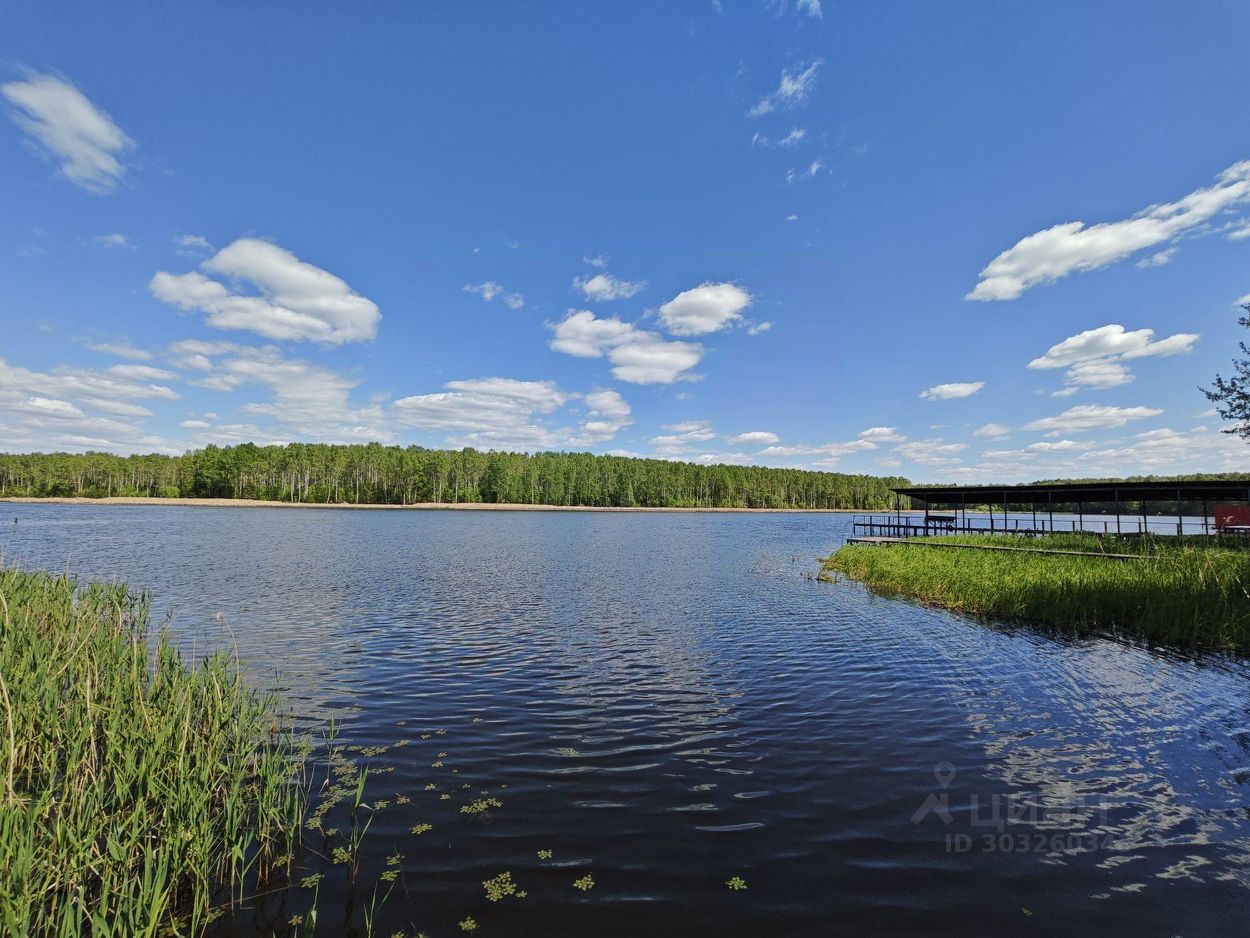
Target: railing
column 910, row 525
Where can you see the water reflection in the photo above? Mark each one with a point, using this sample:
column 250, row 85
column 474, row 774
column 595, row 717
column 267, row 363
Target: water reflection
column 667, row 701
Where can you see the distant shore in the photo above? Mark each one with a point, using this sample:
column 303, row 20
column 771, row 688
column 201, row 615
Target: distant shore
column 416, row 506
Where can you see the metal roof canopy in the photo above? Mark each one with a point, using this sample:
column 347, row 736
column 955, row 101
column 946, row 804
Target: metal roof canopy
column 1041, row 493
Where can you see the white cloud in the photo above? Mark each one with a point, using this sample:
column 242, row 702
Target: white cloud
column 651, row 360
column 813, row 168
column 1168, row 451
column 956, row 389
column 992, row 431
column 121, row 350
column 1111, row 340
column 709, row 307
column 114, row 240
column 1099, row 373
column 792, row 218
column 294, row 300
column 1240, row 231
column 931, row 452
column 596, row 260
column 66, row 127
column 190, row 245
column 71, row 408
column 1094, row 357
column 882, row 435
column 637, row 356
column 607, row 415
column 753, row 437
column 487, row 290
column 142, row 372
column 604, row 287
column 810, row 7
column 1057, row 251
column 793, row 90
column 1158, row 259
column 507, row 413
column 791, row 140
column 757, row 327
column 584, row 335
column 1092, row 417
column 681, row 436
column 830, row 452
column 308, row 400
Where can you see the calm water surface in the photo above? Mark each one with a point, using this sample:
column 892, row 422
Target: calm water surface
column 666, row 701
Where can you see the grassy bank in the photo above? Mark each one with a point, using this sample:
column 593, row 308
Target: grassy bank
column 1185, row 592
column 137, row 793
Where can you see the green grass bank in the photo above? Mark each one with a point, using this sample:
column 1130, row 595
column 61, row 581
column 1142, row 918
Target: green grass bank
column 139, row 795
column 1183, row 591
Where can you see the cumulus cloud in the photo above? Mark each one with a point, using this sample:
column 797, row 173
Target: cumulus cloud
column 293, row 299
column 604, row 287
column 505, row 412
column 637, row 356
column 682, row 436
column 607, row 414
column 956, row 389
column 992, row 431
column 308, row 400
column 1091, row 417
column 66, row 127
column 757, row 327
column 792, row 91
column 709, row 307
column 78, row 408
column 1094, row 358
column 753, row 437
column 1055, row 252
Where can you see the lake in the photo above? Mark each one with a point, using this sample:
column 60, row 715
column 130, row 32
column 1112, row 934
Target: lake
column 666, row 701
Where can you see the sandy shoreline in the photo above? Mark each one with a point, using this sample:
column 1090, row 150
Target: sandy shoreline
column 421, row 506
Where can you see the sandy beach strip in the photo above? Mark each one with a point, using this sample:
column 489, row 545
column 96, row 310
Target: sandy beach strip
column 419, row 506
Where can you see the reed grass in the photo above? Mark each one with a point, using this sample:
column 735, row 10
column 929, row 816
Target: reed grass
column 1183, row 591
column 139, row 795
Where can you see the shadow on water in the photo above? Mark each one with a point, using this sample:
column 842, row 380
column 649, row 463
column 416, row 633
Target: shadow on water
column 665, row 702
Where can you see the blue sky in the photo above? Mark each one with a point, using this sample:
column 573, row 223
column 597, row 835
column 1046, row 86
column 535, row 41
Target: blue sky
column 955, row 241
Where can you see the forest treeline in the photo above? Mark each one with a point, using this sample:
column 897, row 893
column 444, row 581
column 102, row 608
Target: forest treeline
column 393, row 475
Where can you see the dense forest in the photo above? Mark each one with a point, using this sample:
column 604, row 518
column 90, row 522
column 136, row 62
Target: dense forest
column 392, row 475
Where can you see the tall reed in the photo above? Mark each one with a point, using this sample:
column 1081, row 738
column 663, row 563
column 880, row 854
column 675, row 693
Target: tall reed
column 138, row 794
column 1180, row 592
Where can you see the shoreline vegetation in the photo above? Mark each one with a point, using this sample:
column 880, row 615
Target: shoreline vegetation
column 1184, row 591
column 141, row 795
column 372, row 474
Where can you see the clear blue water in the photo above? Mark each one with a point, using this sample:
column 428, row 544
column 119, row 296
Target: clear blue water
column 669, row 700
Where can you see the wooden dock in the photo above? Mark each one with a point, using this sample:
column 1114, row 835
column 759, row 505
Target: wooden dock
column 927, row 542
